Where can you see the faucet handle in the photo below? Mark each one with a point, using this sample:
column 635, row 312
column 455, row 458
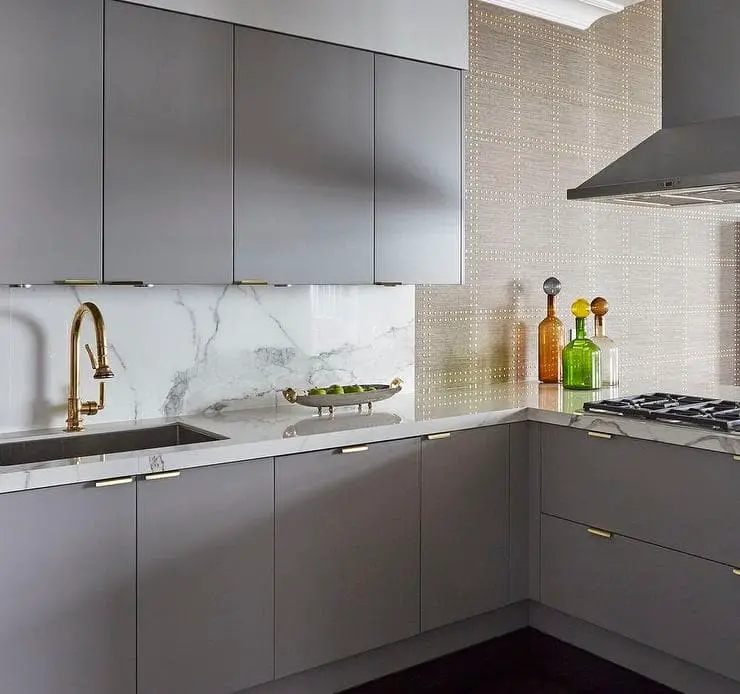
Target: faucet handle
column 90, row 354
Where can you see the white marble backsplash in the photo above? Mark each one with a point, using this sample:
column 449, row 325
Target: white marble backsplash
column 187, row 350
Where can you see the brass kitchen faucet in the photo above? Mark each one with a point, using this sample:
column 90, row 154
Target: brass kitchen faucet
column 100, row 366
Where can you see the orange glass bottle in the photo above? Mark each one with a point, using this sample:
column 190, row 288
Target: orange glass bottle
column 550, row 337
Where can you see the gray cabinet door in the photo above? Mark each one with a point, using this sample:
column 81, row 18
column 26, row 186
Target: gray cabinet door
column 51, row 129
column 464, row 525
column 68, row 591
column 304, row 161
column 418, row 172
column 674, row 602
column 346, row 553
column 206, row 580
column 168, row 147
column 642, row 489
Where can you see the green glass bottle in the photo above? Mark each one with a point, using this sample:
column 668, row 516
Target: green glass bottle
column 581, row 357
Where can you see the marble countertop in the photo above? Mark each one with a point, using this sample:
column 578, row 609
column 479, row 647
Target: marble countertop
column 254, row 434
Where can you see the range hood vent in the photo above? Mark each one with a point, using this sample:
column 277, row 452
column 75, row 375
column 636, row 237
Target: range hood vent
column 695, row 158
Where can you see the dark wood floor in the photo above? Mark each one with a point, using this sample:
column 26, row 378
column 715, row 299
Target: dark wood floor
column 525, row 662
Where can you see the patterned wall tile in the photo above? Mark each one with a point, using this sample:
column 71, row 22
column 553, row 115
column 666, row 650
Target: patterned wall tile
column 547, row 107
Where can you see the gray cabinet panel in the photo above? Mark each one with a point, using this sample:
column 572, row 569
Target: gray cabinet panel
column 68, row 591
column 51, row 128
column 168, row 147
column 206, row 580
column 418, row 172
column 346, row 554
column 679, row 604
column 464, row 525
column 304, row 161
column 643, row 489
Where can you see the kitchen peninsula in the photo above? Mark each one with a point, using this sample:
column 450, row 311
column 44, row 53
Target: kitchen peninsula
column 320, row 552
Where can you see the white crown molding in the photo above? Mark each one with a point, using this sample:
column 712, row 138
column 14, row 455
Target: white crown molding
column 575, row 13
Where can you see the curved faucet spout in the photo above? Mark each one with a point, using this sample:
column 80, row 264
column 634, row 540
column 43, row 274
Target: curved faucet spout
column 99, row 361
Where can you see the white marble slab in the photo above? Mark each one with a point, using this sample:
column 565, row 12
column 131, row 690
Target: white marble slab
column 254, row 434
column 185, row 350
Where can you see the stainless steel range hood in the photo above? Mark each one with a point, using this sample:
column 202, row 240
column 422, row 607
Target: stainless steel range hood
column 695, row 158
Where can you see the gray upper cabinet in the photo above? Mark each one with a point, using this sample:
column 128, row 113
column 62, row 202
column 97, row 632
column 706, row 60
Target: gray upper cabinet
column 346, row 553
column 206, row 580
column 303, row 161
column 68, row 591
column 674, row 602
column 464, row 525
column 612, row 483
column 168, row 147
column 418, row 172
column 51, row 128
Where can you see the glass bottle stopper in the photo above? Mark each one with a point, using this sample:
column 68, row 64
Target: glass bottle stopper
column 600, row 307
column 580, row 308
column 552, row 286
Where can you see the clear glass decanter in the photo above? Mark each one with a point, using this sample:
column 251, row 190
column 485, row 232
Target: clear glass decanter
column 609, row 348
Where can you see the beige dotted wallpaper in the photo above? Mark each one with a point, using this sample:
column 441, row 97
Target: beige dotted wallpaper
column 548, row 106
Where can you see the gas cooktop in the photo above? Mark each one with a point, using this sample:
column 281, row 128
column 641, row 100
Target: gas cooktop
column 709, row 413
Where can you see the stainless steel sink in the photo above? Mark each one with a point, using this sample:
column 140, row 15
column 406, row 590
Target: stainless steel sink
column 80, row 445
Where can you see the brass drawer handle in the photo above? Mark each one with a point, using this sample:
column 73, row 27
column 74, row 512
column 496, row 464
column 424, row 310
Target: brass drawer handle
column 736, row 457
column 253, row 283
column 114, row 483
column 438, row 437
column 162, row 475
column 76, row 282
column 599, row 435
column 736, row 572
column 388, row 284
column 600, row 533
column 355, row 449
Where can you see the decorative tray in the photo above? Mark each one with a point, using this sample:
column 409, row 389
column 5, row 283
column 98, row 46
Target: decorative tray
column 372, row 392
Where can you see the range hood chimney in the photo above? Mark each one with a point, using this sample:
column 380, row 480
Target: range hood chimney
column 695, row 158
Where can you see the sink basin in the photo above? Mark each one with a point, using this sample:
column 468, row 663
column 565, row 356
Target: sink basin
column 80, row 445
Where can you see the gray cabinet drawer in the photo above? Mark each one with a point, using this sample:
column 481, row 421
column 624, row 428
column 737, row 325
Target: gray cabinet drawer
column 681, row 605
column 674, row 496
column 346, row 552
column 464, row 525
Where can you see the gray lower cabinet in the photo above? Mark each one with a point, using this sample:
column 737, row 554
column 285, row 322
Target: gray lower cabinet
column 464, row 525
column 346, row 552
column 205, row 580
column 418, row 172
column 674, row 496
column 679, row 604
column 303, row 161
column 168, row 147
column 68, row 590
column 51, row 128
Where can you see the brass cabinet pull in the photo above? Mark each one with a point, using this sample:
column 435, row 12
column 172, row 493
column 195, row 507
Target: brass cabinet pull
column 114, row 483
column 255, row 283
column 437, row 437
column 736, row 457
column 76, row 282
column 388, row 284
column 162, row 475
column 600, row 533
column 736, row 572
column 599, row 435
column 355, row 449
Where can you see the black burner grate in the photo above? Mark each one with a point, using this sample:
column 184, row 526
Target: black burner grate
column 710, row 413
